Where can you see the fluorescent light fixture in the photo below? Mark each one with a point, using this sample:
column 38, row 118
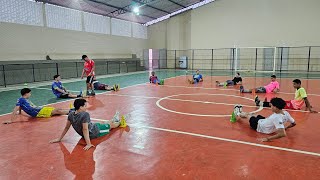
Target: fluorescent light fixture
column 136, row 10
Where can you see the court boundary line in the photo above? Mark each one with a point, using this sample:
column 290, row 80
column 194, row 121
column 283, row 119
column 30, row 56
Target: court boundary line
column 144, row 83
column 153, row 97
column 72, row 99
column 223, row 89
column 221, row 139
column 205, row 102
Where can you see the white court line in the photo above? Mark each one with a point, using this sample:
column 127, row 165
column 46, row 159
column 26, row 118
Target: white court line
column 183, row 100
column 145, row 83
column 74, row 98
column 226, row 89
column 205, row 102
column 221, row 139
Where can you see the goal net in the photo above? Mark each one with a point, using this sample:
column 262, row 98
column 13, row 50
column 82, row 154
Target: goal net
column 255, row 59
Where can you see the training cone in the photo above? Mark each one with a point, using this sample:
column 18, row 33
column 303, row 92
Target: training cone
column 225, row 84
column 123, row 122
column 233, row 118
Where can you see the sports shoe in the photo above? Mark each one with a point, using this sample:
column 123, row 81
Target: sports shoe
column 240, row 109
column 236, row 109
column 257, row 101
column 116, row 117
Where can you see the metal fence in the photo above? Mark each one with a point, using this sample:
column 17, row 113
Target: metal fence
column 37, row 71
column 283, row 59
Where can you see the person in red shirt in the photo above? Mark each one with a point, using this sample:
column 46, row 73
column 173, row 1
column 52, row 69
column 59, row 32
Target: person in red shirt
column 88, row 69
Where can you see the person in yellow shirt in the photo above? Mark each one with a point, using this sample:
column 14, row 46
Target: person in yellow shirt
column 296, row 104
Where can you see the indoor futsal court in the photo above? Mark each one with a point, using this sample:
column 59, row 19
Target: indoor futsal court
column 177, row 71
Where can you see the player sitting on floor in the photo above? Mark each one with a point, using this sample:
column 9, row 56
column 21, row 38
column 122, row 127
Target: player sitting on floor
column 81, row 123
column 236, row 80
column 196, row 78
column 32, row 110
column 273, row 86
column 295, row 104
column 272, row 124
column 100, row 86
column 59, row 91
column 154, row 79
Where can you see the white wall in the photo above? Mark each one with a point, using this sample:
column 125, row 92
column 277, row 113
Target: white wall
column 31, row 30
column 244, row 23
column 22, row 42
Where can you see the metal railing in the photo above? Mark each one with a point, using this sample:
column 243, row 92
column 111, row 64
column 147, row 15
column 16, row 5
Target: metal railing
column 281, row 59
column 37, row 71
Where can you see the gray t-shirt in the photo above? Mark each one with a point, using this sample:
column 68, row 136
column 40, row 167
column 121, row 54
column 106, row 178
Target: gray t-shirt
column 76, row 121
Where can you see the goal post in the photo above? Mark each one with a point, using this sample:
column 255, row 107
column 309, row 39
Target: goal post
column 255, row 59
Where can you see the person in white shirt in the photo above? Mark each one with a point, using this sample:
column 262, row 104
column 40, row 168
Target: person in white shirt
column 274, row 123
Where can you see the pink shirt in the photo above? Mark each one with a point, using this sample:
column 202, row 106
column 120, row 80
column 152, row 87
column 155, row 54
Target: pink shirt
column 272, row 86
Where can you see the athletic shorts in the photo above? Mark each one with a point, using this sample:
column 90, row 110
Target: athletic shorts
column 104, row 129
column 102, row 87
column 45, row 112
column 289, row 105
column 254, row 121
column 89, row 79
column 64, row 96
column 156, row 81
column 230, row 83
column 196, row 80
column 261, row 90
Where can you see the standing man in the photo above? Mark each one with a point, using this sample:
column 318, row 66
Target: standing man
column 88, row 68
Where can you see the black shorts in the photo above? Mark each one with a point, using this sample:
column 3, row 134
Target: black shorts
column 102, row 87
column 254, row 121
column 261, row 90
column 89, row 79
column 64, row 96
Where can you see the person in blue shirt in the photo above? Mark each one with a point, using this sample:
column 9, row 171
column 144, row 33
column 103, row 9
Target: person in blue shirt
column 196, row 78
column 23, row 103
column 59, row 91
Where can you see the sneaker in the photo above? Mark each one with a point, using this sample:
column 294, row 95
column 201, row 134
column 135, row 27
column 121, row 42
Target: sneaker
column 257, row 101
column 241, row 89
column 236, row 110
column 114, row 88
column 240, row 108
column 93, row 93
column 116, row 117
